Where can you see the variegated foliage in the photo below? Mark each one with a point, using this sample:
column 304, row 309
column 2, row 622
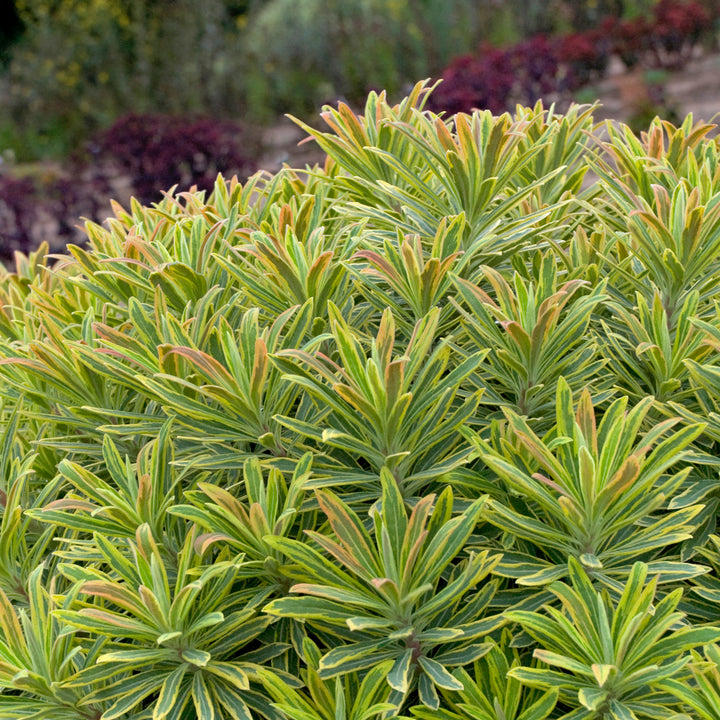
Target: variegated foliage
column 429, row 432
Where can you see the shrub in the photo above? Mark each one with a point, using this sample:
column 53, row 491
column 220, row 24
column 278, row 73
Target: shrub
column 550, row 68
column 44, row 206
column 483, row 81
column 16, row 214
column 678, row 27
column 157, row 152
column 496, row 79
column 80, row 64
column 632, row 40
column 344, row 48
column 585, row 56
column 143, row 155
column 535, row 65
column 430, row 431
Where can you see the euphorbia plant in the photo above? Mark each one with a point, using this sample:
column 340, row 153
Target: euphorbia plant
column 612, row 657
column 395, row 595
column 375, row 439
column 593, row 492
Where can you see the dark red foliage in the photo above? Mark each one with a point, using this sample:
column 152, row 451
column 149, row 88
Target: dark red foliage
column 540, row 67
column 160, row 151
column 586, row 55
column 482, row 81
column 498, row 79
column 17, row 199
column 633, row 39
column 678, row 26
column 535, row 65
column 153, row 152
column 48, row 208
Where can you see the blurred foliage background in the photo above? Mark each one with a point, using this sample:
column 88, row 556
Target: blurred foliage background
column 71, row 67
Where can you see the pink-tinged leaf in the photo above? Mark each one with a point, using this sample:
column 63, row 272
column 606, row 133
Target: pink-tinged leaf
column 152, row 604
column 385, row 339
column 410, row 556
column 70, row 504
column 143, row 248
column 502, row 290
column 341, row 595
column 118, row 621
column 168, row 361
column 338, row 552
column 318, row 269
column 352, row 127
column 258, row 522
column 206, row 364
column 444, row 136
column 117, row 354
column 387, row 587
column 620, row 482
column 586, row 421
column 114, row 593
column 326, row 368
column 380, row 583
column 285, row 219
column 25, row 362
column 518, row 334
column 480, row 295
column 225, row 500
column 550, row 483
column 129, row 261
column 418, row 520
column 144, row 496
column 465, row 146
column 413, row 259
column 356, row 400
column 381, row 267
column 259, row 372
column 547, row 317
column 146, row 542
column 394, row 380
column 204, row 541
column 349, row 530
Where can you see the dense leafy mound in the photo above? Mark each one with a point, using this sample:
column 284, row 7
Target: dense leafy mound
column 429, row 432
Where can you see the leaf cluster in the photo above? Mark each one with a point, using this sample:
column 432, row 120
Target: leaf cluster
column 430, row 432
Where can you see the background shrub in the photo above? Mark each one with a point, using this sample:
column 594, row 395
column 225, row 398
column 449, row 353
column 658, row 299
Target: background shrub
column 344, row 48
column 80, row 65
column 139, row 155
column 552, row 68
column 16, row 214
column 46, row 206
column 157, row 152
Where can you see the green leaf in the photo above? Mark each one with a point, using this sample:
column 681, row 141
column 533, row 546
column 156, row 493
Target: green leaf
column 400, row 673
column 202, row 699
column 169, row 693
column 439, row 675
column 357, row 656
